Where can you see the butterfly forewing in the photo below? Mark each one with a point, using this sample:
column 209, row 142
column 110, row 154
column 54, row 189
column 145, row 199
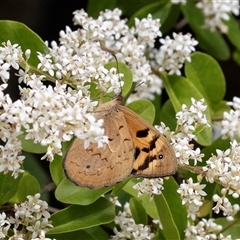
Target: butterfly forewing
column 154, row 156
column 97, row 167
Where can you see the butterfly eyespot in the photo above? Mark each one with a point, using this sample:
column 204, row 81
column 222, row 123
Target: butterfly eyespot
column 160, row 156
column 88, row 166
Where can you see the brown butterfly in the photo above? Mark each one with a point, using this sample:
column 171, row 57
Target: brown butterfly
column 134, row 147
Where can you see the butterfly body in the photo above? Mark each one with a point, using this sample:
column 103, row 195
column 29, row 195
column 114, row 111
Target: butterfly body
column 134, row 147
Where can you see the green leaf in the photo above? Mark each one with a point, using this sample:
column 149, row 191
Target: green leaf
column 219, row 109
column 94, row 7
column 158, row 9
column 138, row 212
column 171, row 212
column 233, row 33
column 76, row 217
column 167, row 115
column 118, row 187
column 34, row 166
column 93, row 233
column 169, row 21
column 30, row 146
column 236, row 57
column 8, row 187
column 19, row 33
column 230, row 228
column 56, row 167
column 212, row 42
column 143, row 108
column 180, row 91
column 28, row 185
column 80, row 234
column 206, row 74
column 68, row 192
column 205, row 209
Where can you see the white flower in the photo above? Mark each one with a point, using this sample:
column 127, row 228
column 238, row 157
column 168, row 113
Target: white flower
column 151, row 186
column 174, row 52
column 231, row 120
column 217, row 11
column 128, row 228
column 42, row 237
column 183, row 2
column 4, row 225
column 192, row 194
column 32, row 215
column 115, row 201
column 225, row 167
column 204, row 229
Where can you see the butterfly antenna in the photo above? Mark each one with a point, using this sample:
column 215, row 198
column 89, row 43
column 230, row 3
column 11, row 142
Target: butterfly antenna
column 120, row 93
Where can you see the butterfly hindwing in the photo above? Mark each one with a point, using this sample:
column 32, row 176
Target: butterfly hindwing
column 154, row 156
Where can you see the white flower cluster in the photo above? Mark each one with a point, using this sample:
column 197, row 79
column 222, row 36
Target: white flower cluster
column 225, row 168
column 183, row 2
column 173, row 53
column 187, row 122
column 31, row 219
column 217, row 11
column 152, row 186
column 128, row 228
column 231, row 120
column 192, row 195
column 81, row 52
column 205, row 229
column 224, row 205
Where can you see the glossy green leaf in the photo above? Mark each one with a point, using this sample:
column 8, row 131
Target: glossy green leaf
column 230, row 228
column 158, row 9
column 80, row 234
column 205, row 209
column 19, row 33
column 118, row 187
column 219, row 109
column 206, row 74
column 76, row 217
column 68, row 192
column 34, row 166
column 172, row 214
column 94, row 7
column 212, row 42
column 56, row 167
column 143, row 108
column 169, row 22
column 180, row 91
column 233, row 33
column 8, row 187
column 236, row 57
column 168, row 115
column 28, row 185
column 138, row 212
